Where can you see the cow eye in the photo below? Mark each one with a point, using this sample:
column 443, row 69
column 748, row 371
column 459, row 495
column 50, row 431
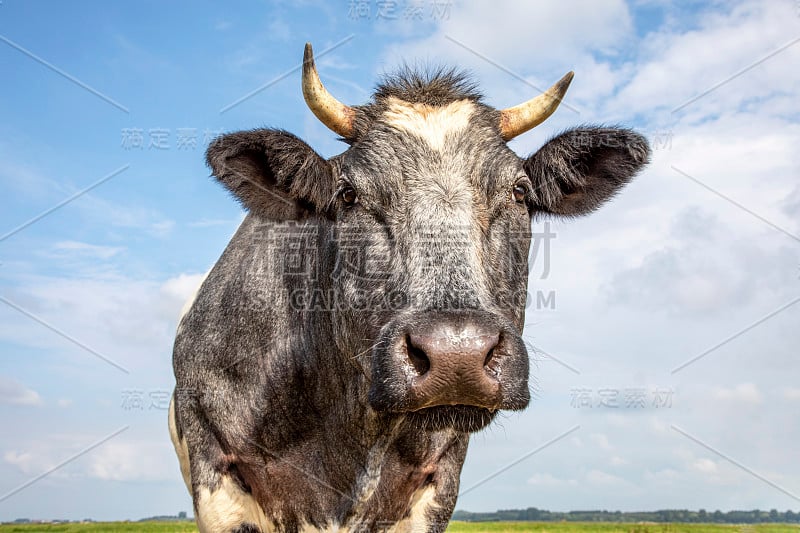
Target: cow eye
column 348, row 194
column 520, row 192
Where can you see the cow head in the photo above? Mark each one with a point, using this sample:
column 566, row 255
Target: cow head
column 426, row 221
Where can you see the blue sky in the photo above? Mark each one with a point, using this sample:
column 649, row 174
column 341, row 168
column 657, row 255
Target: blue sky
column 702, row 247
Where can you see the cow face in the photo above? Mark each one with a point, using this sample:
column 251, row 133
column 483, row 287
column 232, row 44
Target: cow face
column 441, row 209
column 427, row 228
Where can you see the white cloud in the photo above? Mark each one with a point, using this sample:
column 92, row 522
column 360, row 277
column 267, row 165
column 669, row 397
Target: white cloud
column 24, row 461
column 210, row 222
column 133, row 461
column 47, row 192
column 119, row 459
column 658, row 427
column 544, row 34
column 705, row 466
column 618, row 461
column 619, row 420
column 692, row 272
column 665, row 475
column 15, row 393
column 676, row 65
column 279, row 30
column 548, row 480
column 26, row 180
column 601, row 441
column 791, row 393
column 746, row 393
column 792, row 205
column 161, row 228
column 86, row 250
column 113, row 214
column 180, row 288
column 598, row 477
column 130, row 321
column 36, row 456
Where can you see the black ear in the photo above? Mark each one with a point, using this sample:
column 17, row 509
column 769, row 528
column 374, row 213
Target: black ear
column 575, row 172
column 272, row 173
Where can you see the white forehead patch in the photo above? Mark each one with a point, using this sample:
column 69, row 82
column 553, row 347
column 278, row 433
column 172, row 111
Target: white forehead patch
column 433, row 124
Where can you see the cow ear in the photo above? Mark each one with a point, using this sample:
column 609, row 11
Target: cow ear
column 575, row 172
column 272, row 173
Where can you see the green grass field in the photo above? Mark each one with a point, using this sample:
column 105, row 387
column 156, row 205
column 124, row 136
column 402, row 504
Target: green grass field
column 98, row 527
column 455, row 527
column 611, row 527
column 111, row 527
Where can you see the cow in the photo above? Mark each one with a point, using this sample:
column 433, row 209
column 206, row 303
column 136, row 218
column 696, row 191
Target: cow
column 366, row 317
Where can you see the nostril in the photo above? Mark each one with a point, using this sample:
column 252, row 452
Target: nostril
column 418, row 357
column 488, row 360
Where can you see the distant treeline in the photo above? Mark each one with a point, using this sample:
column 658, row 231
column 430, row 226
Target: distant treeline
column 668, row 515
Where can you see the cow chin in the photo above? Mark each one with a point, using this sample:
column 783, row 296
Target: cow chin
column 460, row 417
column 464, row 418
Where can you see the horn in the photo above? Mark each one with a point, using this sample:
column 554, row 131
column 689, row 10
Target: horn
column 330, row 111
column 519, row 119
